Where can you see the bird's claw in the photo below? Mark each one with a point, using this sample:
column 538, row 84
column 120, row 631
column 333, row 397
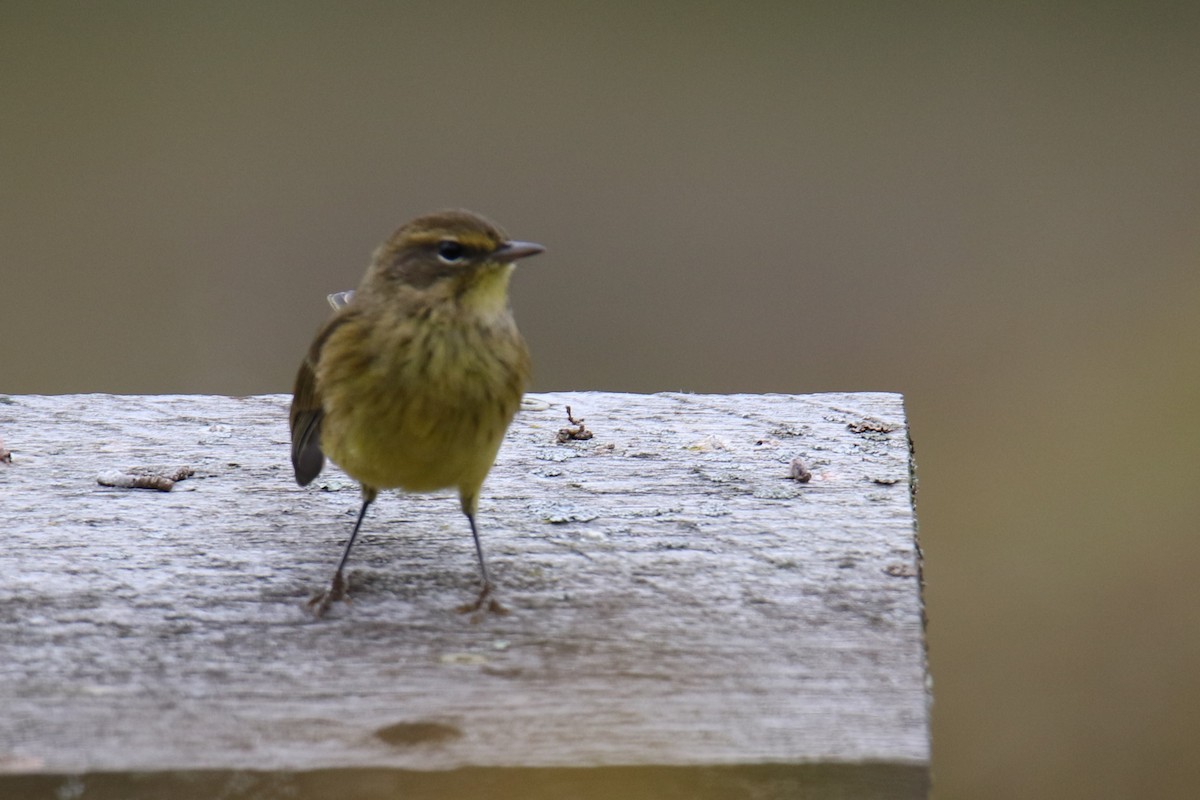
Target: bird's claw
column 320, row 603
column 484, row 604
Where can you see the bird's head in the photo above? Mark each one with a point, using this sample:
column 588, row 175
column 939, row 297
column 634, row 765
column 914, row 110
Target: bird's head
column 448, row 254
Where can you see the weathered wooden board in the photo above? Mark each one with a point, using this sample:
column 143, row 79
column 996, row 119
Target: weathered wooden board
column 677, row 599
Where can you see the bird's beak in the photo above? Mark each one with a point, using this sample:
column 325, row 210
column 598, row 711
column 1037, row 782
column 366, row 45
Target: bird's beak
column 511, row 251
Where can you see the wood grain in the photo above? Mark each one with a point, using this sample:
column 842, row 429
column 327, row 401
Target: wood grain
column 677, row 598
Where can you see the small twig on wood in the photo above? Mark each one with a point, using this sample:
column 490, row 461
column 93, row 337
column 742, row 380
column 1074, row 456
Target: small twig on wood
column 900, row 570
column 144, row 478
column 870, row 425
column 579, row 433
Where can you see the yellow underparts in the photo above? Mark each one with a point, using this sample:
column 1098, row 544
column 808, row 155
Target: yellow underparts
column 420, row 399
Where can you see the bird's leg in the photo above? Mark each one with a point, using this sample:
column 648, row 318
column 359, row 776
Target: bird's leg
column 485, row 602
column 320, row 603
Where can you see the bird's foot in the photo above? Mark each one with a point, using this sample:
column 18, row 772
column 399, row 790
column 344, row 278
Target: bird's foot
column 484, row 604
column 321, row 602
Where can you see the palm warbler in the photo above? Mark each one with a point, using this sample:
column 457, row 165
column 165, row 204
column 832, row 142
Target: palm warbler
column 414, row 380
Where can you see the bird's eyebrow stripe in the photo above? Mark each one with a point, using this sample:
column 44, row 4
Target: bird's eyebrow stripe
column 470, row 240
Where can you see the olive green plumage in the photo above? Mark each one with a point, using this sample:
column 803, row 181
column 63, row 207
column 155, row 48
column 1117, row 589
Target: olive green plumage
column 412, row 383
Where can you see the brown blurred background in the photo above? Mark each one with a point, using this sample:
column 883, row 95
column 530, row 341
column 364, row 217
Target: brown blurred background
column 994, row 210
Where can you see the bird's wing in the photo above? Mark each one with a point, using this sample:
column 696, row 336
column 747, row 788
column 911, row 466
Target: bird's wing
column 308, row 410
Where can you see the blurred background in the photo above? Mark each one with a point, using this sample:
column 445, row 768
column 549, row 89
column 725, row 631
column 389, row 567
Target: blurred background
column 992, row 209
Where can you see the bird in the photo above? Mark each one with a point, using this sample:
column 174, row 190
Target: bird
column 413, row 381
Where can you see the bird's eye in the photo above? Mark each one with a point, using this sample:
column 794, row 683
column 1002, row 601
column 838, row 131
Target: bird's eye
column 450, row 251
